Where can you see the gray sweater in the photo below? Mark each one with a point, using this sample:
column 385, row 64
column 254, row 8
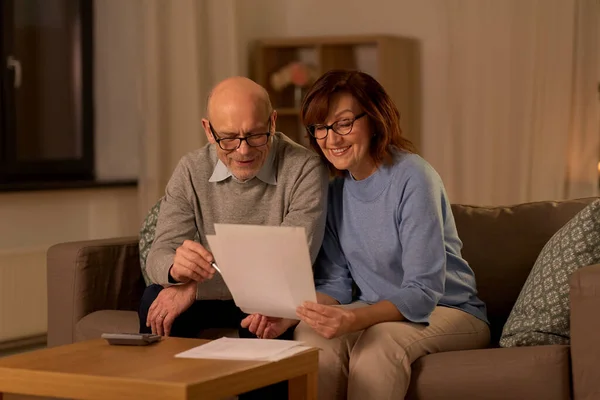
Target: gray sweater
column 298, row 198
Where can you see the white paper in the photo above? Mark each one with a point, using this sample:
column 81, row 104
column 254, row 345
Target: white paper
column 245, row 349
column 266, row 268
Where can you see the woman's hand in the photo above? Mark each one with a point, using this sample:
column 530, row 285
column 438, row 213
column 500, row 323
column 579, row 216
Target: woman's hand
column 328, row 321
column 267, row 327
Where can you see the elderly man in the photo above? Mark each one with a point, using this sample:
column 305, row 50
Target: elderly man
column 247, row 174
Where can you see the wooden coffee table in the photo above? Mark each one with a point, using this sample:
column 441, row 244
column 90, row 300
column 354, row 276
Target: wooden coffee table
column 96, row 370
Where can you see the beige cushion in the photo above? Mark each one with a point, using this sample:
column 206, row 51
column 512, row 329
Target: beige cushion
column 540, row 372
column 501, row 244
column 541, row 314
column 93, row 325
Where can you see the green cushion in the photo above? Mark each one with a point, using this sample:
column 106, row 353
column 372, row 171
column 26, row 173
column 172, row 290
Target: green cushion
column 147, row 237
column 541, row 314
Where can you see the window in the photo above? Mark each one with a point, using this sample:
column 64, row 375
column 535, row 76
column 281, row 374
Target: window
column 46, row 101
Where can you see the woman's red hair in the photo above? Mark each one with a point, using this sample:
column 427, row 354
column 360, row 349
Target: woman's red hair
column 383, row 114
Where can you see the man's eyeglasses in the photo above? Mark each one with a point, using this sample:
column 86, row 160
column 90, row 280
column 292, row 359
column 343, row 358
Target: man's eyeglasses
column 253, row 140
column 341, row 127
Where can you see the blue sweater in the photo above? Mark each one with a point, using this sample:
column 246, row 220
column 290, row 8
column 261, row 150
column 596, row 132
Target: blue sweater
column 393, row 234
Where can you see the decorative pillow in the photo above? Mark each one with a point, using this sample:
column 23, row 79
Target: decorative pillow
column 541, row 314
column 147, row 237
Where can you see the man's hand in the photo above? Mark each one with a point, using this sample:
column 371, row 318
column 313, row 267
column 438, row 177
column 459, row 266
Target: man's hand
column 327, row 321
column 267, row 327
column 192, row 262
column 169, row 304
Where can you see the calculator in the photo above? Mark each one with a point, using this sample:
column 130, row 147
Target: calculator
column 131, row 339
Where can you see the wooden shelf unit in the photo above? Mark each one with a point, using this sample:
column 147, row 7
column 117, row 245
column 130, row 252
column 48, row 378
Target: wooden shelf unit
column 393, row 61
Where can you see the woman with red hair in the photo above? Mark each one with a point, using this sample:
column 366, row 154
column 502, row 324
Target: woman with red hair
column 391, row 283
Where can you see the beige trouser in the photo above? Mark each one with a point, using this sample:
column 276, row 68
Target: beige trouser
column 376, row 363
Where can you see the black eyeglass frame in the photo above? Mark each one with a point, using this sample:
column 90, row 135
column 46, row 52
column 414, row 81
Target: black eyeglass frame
column 240, row 139
column 312, row 128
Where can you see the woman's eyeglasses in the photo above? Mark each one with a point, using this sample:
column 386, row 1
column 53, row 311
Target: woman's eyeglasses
column 341, row 127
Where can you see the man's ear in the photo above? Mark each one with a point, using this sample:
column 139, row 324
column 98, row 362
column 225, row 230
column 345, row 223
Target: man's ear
column 273, row 121
column 207, row 131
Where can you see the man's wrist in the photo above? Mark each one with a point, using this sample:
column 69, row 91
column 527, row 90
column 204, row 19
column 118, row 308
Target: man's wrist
column 191, row 285
column 171, row 279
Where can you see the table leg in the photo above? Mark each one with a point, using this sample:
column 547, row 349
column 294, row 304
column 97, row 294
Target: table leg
column 303, row 387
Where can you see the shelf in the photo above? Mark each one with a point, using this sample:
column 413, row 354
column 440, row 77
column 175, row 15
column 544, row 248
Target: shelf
column 393, row 61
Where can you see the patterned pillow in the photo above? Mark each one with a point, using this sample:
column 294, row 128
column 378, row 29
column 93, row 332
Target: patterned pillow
column 541, row 314
column 147, row 237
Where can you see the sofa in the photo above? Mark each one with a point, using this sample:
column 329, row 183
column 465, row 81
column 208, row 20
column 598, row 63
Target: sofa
column 95, row 287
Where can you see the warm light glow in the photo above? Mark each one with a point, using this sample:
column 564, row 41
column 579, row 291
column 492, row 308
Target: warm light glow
column 599, row 167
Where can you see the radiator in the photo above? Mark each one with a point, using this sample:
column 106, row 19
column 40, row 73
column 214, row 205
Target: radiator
column 23, row 306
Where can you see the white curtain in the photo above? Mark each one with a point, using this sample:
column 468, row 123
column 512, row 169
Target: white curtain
column 172, row 79
column 186, row 47
column 518, row 104
column 582, row 178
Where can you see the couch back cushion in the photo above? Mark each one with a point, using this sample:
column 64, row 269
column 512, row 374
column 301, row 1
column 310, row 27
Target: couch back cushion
column 501, row 245
column 541, row 314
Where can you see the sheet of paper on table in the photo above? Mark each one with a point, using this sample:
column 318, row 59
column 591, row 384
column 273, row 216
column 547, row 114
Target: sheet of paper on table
column 245, row 349
column 266, row 268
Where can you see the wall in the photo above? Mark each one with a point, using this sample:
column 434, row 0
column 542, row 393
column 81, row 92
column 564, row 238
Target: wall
column 257, row 19
column 34, row 221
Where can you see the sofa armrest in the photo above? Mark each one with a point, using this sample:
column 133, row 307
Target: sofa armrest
column 585, row 332
column 87, row 276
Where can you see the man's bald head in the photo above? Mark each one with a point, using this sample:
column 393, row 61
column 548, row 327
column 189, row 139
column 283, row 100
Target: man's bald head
column 239, row 108
column 235, row 94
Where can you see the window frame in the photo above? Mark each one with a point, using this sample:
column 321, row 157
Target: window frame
column 13, row 170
